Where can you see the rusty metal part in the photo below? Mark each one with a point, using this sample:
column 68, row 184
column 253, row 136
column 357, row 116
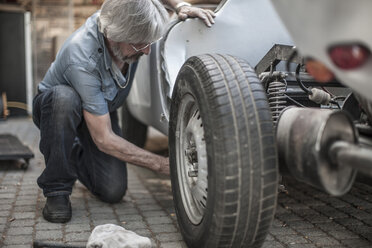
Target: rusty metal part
column 305, row 136
column 4, row 112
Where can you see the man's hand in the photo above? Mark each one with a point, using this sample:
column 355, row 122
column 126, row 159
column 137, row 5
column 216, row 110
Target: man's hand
column 110, row 143
column 164, row 167
column 189, row 11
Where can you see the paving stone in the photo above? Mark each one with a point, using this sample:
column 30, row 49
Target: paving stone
column 269, row 237
column 336, row 202
column 324, row 241
column 349, row 222
column 79, row 220
column 168, row 237
column 4, row 213
column 356, row 243
column 20, row 231
column 302, row 245
column 281, row 231
column 292, row 239
column 163, row 228
column 144, row 232
column 5, row 190
column 47, row 226
column 104, row 221
column 313, row 232
column 77, row 236
column 364, row 231
column 159, row 220
column 27, row 197
column 5, row 207
column 306, row 212
column 30, row 208
column 101, row 210
column 28, row 192
column 173, row 245
column 7, row 196
column 146, row 201
column 18, row 239
column 4, row 219
column 134, row 225
column 299, row 224
column 272, row 244
column 22, row 222
column 25, row 203
column 342, row 234
column 368, row 222
column 329, row 226
column 277, row 223
column 154, row 214
column 361, row 215
column 19, row 246
column 50, row 235
column 318, row 219
column 126, row 211
column 150, row 208
column 77, row 228
column 105, row 216
column 24, row 215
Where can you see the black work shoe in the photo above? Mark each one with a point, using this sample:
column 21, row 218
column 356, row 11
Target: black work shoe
column 57, row 209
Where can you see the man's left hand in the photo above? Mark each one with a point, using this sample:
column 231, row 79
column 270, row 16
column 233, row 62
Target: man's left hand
column 204, row 14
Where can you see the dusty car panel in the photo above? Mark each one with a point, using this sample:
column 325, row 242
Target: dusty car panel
column 246, row 29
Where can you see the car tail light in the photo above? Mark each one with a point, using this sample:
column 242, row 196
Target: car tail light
column 350, row 56
column 319, row 71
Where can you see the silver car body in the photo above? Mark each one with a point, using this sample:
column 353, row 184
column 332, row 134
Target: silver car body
column 244, row 28
column 318, row 24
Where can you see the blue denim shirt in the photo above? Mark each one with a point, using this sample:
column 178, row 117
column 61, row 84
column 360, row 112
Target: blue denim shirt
column 85, row 64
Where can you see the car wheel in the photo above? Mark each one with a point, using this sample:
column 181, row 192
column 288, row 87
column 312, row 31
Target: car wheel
column 223, row 157
column 133, row 130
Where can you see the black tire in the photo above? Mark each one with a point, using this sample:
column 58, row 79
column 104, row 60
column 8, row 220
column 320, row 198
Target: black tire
column 133, row 130
column 231, row 108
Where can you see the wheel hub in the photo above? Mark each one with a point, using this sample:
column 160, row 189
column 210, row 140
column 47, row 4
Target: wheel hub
column 192, row 161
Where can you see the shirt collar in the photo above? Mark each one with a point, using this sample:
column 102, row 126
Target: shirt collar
column 106, row 55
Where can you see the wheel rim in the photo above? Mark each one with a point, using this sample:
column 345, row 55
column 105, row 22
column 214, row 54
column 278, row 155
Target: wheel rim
column 192, row 169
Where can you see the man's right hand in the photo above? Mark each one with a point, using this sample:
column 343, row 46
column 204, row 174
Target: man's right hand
column 164, row 167
column 110, row 143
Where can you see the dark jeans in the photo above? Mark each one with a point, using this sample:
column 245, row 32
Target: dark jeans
column 69, row 150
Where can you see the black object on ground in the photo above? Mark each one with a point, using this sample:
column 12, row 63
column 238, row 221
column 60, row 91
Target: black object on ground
column 12, row 149
column 38, row 244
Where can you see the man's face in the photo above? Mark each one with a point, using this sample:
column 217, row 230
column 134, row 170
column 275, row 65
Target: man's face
column 127, row 52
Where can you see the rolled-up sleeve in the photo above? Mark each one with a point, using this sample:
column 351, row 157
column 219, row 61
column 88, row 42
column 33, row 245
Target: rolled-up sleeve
column 88, row 87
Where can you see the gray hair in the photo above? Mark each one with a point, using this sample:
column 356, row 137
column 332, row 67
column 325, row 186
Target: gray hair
column 132, row 21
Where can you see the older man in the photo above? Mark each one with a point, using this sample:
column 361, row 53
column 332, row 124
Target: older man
column 75, row 108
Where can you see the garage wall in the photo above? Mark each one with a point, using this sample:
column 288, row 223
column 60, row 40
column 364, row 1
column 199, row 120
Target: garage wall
column 53, row 22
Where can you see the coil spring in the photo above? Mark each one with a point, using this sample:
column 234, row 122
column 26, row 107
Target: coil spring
column 277, row 99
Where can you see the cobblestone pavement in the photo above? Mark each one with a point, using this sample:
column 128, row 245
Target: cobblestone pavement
column 305, row 217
